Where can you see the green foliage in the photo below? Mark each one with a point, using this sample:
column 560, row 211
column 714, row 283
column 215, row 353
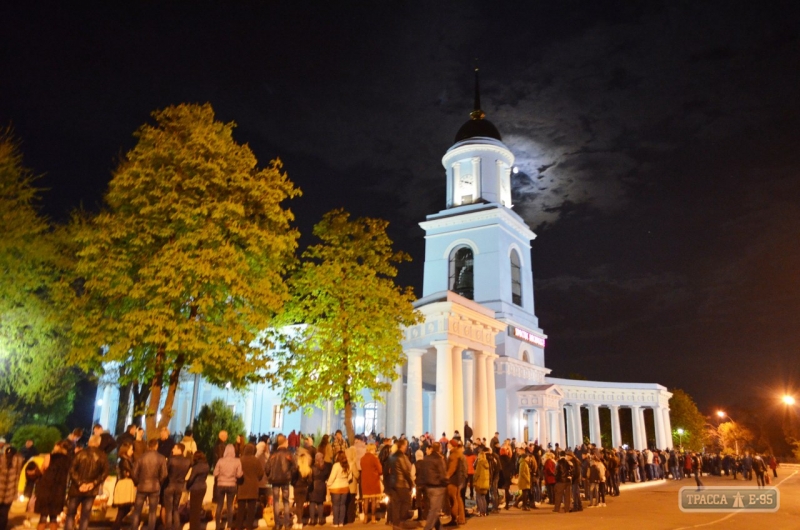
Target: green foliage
column 32, row 260
column 8, row 418
column 684, row 414
column 214, row 417
column 43, row 436
column 184, row 268
column 344, row 293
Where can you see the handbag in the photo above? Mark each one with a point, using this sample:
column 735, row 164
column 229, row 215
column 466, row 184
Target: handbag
column 124, row 492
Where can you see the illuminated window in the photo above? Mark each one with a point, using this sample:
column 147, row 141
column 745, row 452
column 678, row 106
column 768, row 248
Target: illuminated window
column 370, row 418
column 525, row 357
column 516, row 279
column 461, row 272
column 277, row 417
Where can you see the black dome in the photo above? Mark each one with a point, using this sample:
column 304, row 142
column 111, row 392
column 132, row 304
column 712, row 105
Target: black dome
column 480, row 127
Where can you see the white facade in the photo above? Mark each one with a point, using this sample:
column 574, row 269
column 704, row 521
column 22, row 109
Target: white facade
column 479, row 354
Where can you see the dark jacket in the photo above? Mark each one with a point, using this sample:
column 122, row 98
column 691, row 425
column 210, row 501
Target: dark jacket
column 149, row 472
column 124, row 468
column 564, row 470
column 197, row 480
column 320, row 477
column 301, row 484
column 107, row 443
column 52, row 487
column 400, row 474
column 456, row 469
column 219, row 451
column 281, row 467
column 90, row 466
column 9, row 475
column 177, row 469
column 435, row 471
column 165, row 447
column 252, row 473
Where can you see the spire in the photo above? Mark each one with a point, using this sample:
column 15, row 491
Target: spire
column 477, row 113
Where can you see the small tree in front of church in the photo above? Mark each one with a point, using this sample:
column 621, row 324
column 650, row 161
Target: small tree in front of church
column 354, row 313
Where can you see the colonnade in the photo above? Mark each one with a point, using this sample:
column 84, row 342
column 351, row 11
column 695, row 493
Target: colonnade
column 663, row 428
column 465, row 391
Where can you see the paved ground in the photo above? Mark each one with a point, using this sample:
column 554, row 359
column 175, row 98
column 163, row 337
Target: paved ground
column 648, row 506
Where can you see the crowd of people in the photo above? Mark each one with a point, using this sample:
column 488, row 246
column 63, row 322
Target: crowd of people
column 294, row 477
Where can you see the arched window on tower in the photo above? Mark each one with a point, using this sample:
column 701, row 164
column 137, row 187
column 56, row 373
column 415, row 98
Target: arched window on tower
column 525, row 357
column 461, row 272
column 516, row 279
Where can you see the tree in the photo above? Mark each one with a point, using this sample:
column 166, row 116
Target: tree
column 33, row 258
column 684, row 414
column 349, row 315
column 734, row 437
column 214, row 417
column 185, row 266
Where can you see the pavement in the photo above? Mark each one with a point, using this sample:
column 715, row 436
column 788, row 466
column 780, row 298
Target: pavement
column 642, row 506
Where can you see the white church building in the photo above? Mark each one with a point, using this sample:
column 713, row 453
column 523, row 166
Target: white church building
column 478, row 356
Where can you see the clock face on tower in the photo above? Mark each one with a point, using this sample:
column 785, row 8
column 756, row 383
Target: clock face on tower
column 466, row 180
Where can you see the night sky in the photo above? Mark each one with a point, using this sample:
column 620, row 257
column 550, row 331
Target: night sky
column 658, row 144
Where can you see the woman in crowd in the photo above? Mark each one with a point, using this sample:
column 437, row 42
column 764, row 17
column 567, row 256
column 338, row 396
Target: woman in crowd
column 326, row 449
column 302, row 481
column 140, row 444
column 124, row 470
column 247, row 494
column 228, row 471
column 316, row 498
column 550, row 476
column 482, row 480
column 339, row 487
column 52, row 487
column 196, row 486
column 470, row 455
column 371, row 472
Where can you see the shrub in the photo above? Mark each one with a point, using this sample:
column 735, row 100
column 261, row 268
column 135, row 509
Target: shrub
column 43, row 436
column 214, row 417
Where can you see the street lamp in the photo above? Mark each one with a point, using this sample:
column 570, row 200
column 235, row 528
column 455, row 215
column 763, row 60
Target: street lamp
column 788, row 400
column 722, row 415
column 680, row 437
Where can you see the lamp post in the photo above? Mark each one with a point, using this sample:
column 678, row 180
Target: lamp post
column 680, row 438
column 722, row 415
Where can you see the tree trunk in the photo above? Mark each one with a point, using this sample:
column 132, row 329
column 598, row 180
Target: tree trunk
column 140, row 399
column 150, row 415
column 174, row 379
column 348, row 418
column 124, row 407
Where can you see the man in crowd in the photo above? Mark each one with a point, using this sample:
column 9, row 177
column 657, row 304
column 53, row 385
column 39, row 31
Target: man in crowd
column 165, row 443
column 107, row 442
column 456, row 477
column 434, row 481
column 148, row 473
column 400, row 486
column 563, row 486
column 87, row 474
column 177, row 468
column 281, row 467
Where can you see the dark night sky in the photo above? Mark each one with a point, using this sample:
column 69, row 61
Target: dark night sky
column 658, row 143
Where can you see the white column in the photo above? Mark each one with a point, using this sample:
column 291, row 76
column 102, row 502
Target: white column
column 532, row 434
column 248, row 411
column 458, row 391
column 594, row 424
column 578, row 424
column 413, row 425
column 444, row 388
column 394, row 416
column 662, row 438
column 639, row 437
column 616, row 432
column 480, row 401
column 668, row 427
column 492, row 394
column 468, row 372
column 544, row 434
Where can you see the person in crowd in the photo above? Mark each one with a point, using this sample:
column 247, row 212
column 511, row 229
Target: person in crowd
column 239, row 445
column 550, row 476
column 456, row 477
column 280, row 470
column 773, row 465
column 148, row 473
column 565, row 470
column 227, row 473
column 302, row 482
column 595, row 478
column 139, row 444
column 577, row 505
column 165, row 442
column 507, row 471
column 495, row 470
column 325, row 448
column 220, row 446
column 128, row 435
column 400, row 485
column 107, row 442
column 434, row 481
column 74, row 438
column 471, row 456
column 759, row 468
column 177, row 469
column 482, row 481
column 294, row 441
column 87, row 474
column 308, row 445
column 124, row 471
column 338, row 485
column 189, row 443
column 524, row 481
column 29, row 451
column 11, row 463
column 52, row 487
column 196, row 485
column 371, row 472
column 697, row 468
column 467, row 432
column 339, row 443
column 316, row 499
column 247, row 494
column 262, row 455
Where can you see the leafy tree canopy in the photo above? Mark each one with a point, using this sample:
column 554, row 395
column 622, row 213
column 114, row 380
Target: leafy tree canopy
column 185, row 265
column 352, row 315
column 685, row 415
